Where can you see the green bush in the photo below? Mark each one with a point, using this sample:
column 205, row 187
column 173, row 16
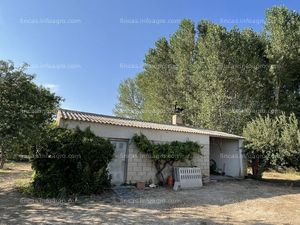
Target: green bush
column 71, row 162
column 272, row 143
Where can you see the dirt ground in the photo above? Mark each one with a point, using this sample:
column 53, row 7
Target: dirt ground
column 226, row 202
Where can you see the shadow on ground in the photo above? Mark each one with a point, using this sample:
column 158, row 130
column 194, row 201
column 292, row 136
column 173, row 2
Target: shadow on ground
column 226, row 202
column 282, row 182
column 97, row 212
column 229, row 202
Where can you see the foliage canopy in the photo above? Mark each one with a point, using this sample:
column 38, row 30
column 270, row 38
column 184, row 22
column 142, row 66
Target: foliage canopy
column 222, row 78
column 71, row 162
column 272, row 143
column 26, row 109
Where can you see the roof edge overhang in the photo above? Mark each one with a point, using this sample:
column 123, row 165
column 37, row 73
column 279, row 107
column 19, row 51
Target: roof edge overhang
column 201, row 131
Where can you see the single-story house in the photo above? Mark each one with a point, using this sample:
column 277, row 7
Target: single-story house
column 130, row 166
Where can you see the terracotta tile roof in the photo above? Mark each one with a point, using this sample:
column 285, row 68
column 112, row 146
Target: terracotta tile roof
column 104, row 119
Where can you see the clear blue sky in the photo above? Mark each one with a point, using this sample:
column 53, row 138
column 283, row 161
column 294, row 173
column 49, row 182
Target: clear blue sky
column 83, row 49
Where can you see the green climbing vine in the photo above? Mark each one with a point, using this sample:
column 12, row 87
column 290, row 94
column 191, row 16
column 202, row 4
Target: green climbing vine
column 167, row 153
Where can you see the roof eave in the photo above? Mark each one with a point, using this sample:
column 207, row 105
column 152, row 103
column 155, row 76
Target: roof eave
column 132, row 126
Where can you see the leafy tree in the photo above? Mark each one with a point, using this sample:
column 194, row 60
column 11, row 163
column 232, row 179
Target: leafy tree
column 166, row 76
column 160, row 73
column 282, row 32
column 271, row 143
column 183, row 52
column 228, row 65
column 207, row 76
column 290, row 140
column 222, row 78
column 211, row 97
column 130, row 100
column 262, row 144
column 26, row 109
column 167, row 153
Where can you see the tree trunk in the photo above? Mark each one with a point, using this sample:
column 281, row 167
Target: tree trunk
column 277, row 93
column 159, row 175
column 257, row 170
column 254, row 166
column 2, row 158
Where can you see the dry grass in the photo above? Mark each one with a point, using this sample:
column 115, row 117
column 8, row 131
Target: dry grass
column 227, row 202
column 14, row 175
column 287, row 175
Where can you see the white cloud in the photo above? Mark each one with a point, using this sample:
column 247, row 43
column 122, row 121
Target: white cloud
column 52, row 87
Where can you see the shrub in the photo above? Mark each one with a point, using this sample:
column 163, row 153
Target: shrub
column 71, row 162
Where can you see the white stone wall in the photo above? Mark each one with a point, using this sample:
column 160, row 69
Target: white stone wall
column 140, row 167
